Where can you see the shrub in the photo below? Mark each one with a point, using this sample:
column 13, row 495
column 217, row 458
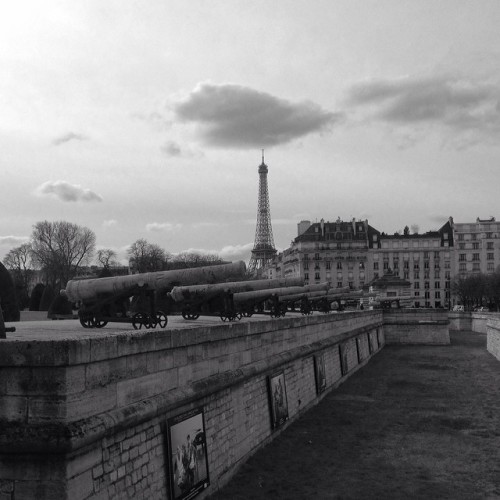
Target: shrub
column 9, row 304
column 36, row 296
column 60, row 306
column 47, row 298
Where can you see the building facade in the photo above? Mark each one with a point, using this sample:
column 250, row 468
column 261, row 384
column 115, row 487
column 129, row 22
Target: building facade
column 353, row 254
column 477, row 246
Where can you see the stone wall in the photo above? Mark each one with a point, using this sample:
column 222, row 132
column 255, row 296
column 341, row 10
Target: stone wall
column 416, row 326
column 90, row 417
column 493, row 336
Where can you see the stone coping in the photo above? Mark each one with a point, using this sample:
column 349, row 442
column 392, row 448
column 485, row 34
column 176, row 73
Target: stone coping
column 100, row 345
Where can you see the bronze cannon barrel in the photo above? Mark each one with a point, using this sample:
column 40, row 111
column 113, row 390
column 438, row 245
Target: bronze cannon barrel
column 207, row 291
column 89, row 289
column 279, row 292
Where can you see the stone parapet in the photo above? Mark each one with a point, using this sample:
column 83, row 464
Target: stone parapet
column 493, row 336
column 416, row 326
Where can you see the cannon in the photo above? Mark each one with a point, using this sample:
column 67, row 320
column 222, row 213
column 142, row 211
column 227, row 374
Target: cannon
column 223, row 299
column 103, row 300
column 276, row 298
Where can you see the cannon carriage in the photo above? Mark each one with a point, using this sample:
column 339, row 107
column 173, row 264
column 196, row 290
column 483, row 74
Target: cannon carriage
column 134, row 298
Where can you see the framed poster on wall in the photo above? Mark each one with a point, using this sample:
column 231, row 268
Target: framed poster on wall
column 320, row 372
column 187, row 452
column 343, row 359
column 277, row 399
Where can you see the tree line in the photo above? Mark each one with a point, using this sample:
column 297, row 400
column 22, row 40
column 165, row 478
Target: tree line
column 478, row 290
column 60, row 251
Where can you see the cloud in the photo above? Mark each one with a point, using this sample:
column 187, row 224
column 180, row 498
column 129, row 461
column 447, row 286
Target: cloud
column 155, row 119
column 109, row 223
column 67, row 192
column 13, row 241
column 235, row 116
column 466, row 107
column 163, row 227
column 70, row 136
column 171, row 148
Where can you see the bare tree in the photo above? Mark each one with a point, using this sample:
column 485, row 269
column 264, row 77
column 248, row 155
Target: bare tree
column 106, row 257
column 18, row 262
column 195, row 259
column 147, row 257
column 60, row 248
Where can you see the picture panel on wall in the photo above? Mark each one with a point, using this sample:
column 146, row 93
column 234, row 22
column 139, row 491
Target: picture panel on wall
column 277, row 399
column 343, row 359
column 320, row 372
column 187, row 452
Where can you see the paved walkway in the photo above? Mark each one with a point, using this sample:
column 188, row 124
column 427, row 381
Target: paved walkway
column 416, row 422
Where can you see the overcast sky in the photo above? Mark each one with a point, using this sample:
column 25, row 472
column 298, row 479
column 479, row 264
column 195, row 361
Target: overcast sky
column 147, row 119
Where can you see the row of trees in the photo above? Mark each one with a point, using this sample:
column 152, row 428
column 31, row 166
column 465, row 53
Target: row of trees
column 478, row 290
column 59, row 251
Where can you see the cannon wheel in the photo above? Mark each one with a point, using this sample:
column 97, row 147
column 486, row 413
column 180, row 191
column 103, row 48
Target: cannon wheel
column 189, row 315
column 161, row 319
column 139, row 320
column 99, row 323
column 230, row 316
column 86, row 319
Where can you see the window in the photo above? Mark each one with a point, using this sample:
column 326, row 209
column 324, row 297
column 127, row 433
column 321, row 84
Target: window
column 475, row 245
column 416, row 285
column 460, row 237
column 417, row 294
column 351, row 285
column 437, row 295
column 306, row 276
column 426, row 255
column 426, row 275
column 416, row 275
column 490, row 266
column 475, row 256
column 416, row 265
column 328, row 265
column 476, row 266
column 489, row 245
column 339, row 265
column 386, row 265
column 473, row 237
column 461, row 246
column 491, row 256
column 375, row 266
column 316, row 256
column 426, row 284
column 339, row 284
column 437, row 284
column 489, row 235
column 462, row 267
column 436, row 274
column 406, row 265
column 316, row 276
column 306, row 265
column 462, row 257
column 427, row 295
column 406, row 275
column 436, row 255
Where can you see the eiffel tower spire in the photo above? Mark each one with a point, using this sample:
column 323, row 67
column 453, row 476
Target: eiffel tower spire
column 263, row 249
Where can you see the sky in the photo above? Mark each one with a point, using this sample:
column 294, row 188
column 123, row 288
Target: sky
column 147, row 119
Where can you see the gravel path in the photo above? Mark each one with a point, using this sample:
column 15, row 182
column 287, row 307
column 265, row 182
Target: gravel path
column 416, row 422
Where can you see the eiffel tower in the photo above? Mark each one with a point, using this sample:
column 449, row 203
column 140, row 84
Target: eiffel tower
column 263, row 249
